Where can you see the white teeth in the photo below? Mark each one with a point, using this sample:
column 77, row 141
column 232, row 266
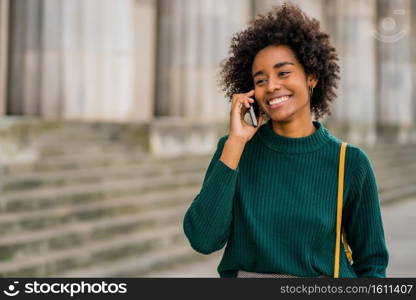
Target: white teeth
column 278, row 100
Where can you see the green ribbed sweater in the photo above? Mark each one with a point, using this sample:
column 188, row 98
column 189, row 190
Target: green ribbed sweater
column 277, row 211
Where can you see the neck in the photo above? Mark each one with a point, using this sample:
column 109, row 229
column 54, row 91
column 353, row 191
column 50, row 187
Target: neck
column 294, row 129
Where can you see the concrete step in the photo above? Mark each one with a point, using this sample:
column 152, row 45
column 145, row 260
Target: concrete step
column 50, row 139
column 135, row 245
column 72, row 162
column 13, row 224
column 90, row 192
column 400, row 173
column 204, row 267
column 145, row 168
column 396, row 159
column 393, row 195
column 81, row 158
column 83, row 132
column 32, row 243
column 139, row 266
column 381, row 149
column 70, row 147
column 388, row 179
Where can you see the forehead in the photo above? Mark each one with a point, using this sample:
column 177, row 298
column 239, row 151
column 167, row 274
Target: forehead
column 272, row 54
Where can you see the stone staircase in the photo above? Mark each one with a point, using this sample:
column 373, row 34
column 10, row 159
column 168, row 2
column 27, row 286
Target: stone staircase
column 89, row 207
column 395, row 170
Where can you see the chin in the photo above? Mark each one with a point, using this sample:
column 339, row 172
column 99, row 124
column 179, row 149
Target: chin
column 281, row 119
column 278, row 115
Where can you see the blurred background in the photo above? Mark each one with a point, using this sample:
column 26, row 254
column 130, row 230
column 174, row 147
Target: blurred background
column 110, row 114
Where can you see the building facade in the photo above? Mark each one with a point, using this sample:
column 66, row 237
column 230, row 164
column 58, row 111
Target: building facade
column 156, row 62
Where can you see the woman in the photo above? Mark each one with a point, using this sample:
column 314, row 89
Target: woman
column 270, row 192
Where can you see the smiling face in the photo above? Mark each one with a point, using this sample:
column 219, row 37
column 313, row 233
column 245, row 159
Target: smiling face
column 281, row 86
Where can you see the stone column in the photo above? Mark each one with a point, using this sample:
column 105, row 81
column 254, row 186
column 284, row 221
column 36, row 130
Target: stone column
column 351, row 26
column 74, row 59
column 163, row 61
column 4, row 22
column 24, row 78
column 312, row 8
column 413, row 62
column 395, row 68
column 100, row 60
column 108, row 47
column 193, row 38
column 146, row 21
column 51, row 68
column 263, row 6
column 74, row 85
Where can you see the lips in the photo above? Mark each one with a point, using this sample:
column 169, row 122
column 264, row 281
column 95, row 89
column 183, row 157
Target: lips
column 277, row 97
column 276, row 102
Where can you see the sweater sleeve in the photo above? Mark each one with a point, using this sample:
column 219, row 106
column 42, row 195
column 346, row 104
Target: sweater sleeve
column 208, row 219
column 363, row 222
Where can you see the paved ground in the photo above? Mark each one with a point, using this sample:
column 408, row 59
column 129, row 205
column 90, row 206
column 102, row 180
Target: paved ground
column 399, row 226
column 400, row 229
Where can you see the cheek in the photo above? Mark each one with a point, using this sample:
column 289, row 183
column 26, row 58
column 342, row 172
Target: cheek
column 258, row 94
column 299, row 88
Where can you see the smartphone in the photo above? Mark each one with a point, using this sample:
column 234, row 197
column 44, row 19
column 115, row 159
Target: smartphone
column 254, row 111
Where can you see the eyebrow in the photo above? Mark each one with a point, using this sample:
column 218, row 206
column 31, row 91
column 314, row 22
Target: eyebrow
column 276, row 66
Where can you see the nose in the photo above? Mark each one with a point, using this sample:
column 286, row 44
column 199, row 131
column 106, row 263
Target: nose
column 273, row 84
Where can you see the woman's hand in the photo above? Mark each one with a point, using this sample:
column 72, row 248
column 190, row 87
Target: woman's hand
column 239, row 128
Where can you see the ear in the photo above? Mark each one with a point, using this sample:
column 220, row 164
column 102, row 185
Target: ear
column 312, row 80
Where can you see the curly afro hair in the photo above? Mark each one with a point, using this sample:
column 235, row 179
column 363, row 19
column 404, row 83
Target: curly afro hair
column 284, row 25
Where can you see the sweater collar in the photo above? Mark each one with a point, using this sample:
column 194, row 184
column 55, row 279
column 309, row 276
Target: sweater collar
column 285, row 144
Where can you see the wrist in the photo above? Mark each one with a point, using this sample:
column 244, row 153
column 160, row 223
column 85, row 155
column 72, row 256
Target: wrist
column 237, row 140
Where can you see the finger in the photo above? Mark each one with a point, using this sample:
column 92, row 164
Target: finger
column 243, row 110
column 250, row 101
column 236, row 97
column 241, row 102
column 250, row 93
column 247, row 101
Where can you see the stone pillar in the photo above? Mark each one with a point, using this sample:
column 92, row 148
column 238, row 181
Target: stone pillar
column 108, row 45
column 395, row 69
column 263, row 6
column 413, row 62
column 98, row 58
column 312, row 8
column 351, row 26
column 164, row 40
column 219, row 22
column 193, row 38
column 24, row 78
column 4, row 22
column 74, row 59
column 146, row 21
column 191, row 104
column 52, row 67
column 74, row 85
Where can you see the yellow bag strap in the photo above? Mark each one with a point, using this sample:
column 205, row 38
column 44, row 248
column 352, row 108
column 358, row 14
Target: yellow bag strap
column 339, row 213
